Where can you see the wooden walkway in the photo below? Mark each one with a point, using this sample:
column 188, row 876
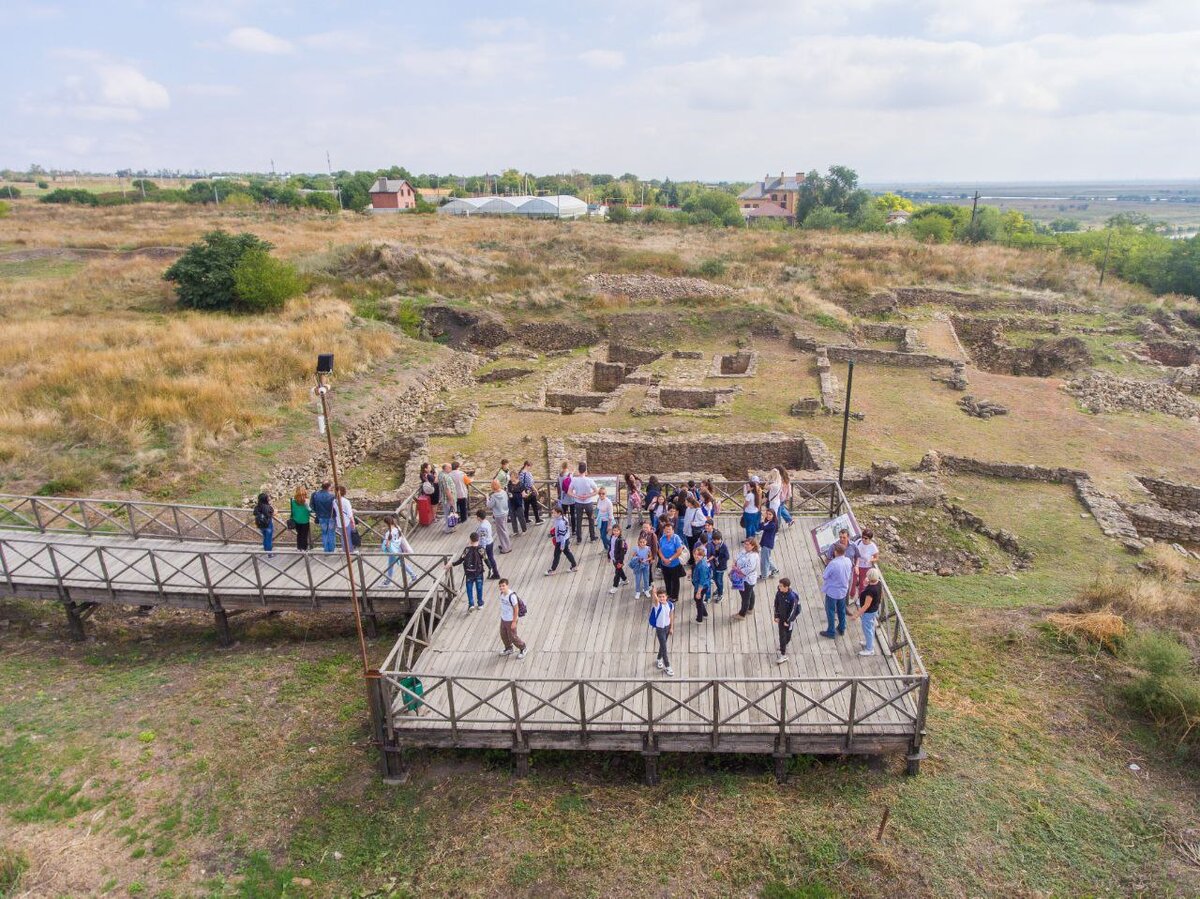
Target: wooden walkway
column 589, row 679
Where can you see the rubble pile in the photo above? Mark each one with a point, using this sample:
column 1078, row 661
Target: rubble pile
column 1101, row 392
column 981, row 408
column 655, row 287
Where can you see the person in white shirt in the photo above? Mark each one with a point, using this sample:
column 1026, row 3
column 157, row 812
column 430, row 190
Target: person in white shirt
column 584, row 494
column 866, row 557
column 605, row 515
column 510, row 615
column 396, row 545
column 484, row 530
column 752, row 507
column 662, row 619
column 345, row 516
column 459, row 477
column 747, row 565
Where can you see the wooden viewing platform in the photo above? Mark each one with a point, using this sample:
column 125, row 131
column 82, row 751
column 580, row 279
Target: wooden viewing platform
column 589, row 679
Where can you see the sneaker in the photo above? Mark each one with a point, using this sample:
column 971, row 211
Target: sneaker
column 573, row 569
column 506, row 652
column 481, row 604
column 521, row 654
column 829, row 634
column 612, row 590
column 670, row 672
column 658, row 663
column 866, row 652
column 781, row 660
column 549, row 572
column 841, row 631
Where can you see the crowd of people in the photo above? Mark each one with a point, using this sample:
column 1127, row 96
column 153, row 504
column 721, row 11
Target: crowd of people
column 669, row 529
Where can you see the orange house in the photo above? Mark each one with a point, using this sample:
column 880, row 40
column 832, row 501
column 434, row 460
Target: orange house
column 392, row 195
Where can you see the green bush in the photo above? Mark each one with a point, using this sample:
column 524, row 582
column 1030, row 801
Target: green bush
column 323, row 202
column 712, row 268
column 234, row 272
column 931, row 229
column 43, row 185
column 264, row 283
column 71, row 195
column 822, row 218
column 619, row 214
column 1167, row 691
column 10, row 193
column 5, row 209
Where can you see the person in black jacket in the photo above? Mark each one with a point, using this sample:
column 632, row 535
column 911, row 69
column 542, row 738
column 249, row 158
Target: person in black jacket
column 617, row 547
column 518, row 521
column 472, row 561
column 264, row 520
column 787, row 607
column 718, row 557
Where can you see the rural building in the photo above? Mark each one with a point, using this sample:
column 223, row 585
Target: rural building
column 768, row 211
column 782, row 192
column 392, row 195
column 564, row 206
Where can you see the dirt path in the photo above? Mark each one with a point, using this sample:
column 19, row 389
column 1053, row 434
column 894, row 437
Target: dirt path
column 84, row 253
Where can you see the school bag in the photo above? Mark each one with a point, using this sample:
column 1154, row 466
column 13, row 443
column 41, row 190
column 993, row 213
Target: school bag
column 522, row 609
column 262, row 517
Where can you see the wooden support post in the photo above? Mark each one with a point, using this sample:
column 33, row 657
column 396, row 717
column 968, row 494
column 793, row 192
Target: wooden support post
column 650, row 753
column 781, row 766
column 521, row 761
column 913, row 761
column 393, row 766
column 221, row 617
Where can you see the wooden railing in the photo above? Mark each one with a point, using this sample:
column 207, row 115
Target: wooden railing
column 127, row 572
column 711, row 708
column 165, row 521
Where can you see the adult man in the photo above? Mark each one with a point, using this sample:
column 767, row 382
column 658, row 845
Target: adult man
column 322, row 506
column 584, row 493
column 510, row 614
column 787, row 607
column 446, row 493
column 835, row 581
column 529, row 493
column 486, row 541
column 459, row 477
column 673, row 552
column 497, row 502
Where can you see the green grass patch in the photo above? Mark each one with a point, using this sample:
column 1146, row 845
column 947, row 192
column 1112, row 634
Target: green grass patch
column 46, row 267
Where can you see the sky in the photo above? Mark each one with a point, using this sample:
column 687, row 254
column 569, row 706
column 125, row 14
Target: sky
column 901, row 90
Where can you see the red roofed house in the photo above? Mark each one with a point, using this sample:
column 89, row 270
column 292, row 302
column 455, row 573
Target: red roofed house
column 392, row 195
column 781, row 192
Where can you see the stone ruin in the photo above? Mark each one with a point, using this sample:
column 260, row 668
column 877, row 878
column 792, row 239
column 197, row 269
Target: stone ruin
column 981, row 408
column 1173, row 515
column 742, row 364
column 984, row 339
column 694, row 400
column 1100, row 392
column 1172, row 353
column 957, row 379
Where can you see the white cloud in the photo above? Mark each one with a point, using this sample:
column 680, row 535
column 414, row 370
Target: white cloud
column 255, row 40
column 603, row 59
column 122, row 85
column 212, row 90
column 108, row 91
column 338, row 39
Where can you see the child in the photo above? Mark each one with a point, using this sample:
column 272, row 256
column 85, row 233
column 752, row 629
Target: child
column 766, row 544
column 616, row 552
column 747, row 567
column 662, row 619
column 604, row 513
column 787, row 607
column 718, row 554
column 701, row 583
column 472, row 562
column 640, row 563
column 396, row 545
column 560, row 534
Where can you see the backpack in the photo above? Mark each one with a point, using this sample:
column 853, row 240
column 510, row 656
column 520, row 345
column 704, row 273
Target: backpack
column 427, row 488
column 473, row 561
column 263, row 517
column 522, row 609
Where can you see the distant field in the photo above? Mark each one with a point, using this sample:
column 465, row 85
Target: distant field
column 1175, row 202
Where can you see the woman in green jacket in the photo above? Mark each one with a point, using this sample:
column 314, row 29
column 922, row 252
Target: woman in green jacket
column 300, row 518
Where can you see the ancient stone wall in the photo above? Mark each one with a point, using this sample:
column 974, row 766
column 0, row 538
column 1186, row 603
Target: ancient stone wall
column 569, row 401
column 885, row 357
column 1173, row 353
column 687, row 397
column 1043, row 358
column 631, row 355
column 880, row 331
column 966, row 465
column 1164, row 524
column 608, row 376
column 733, row 456
column 1172, row 494
column 742, row 364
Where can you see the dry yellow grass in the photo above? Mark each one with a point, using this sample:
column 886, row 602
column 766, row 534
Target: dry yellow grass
column 1104, row 629
column 1150, row 600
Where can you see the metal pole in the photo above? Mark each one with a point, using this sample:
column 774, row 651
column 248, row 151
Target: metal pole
column 846, row 421
column 337, row 505
column 1107, row 247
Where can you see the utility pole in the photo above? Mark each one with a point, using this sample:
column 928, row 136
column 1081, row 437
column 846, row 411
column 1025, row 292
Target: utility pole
column 974, row 208
column 143, row 183
column 338, row 190
column 846, row 421
column 1107, row 247
column 273, row 176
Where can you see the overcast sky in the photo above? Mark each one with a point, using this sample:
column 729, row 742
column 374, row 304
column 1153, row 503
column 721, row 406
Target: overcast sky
column 712, row 89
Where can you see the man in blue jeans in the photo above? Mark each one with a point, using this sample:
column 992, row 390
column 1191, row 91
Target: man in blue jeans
column 835, row 581
column 472, row 561
column 322, row 506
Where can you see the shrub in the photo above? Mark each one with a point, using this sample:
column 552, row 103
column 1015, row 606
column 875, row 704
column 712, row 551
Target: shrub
column 71, row 195
column 323, row 202
column 931, row 229
column 264, row 283
column 1167, row 691
column 10, row 193
column 5, row 209
column 712, row 268
column 43, row 185
column 823, row 218
column 215, row 273
column 619, row 214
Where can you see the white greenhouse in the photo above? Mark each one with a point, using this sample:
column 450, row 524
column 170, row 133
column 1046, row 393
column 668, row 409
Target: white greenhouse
column 565, row 206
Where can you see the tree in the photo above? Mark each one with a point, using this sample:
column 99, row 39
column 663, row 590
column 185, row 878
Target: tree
column 210, row 275
column 890, row 202
column 713, row 207
column 931, row 229
column 322, row 201
column 825, row 218
column 5, row 209
column 619, row 214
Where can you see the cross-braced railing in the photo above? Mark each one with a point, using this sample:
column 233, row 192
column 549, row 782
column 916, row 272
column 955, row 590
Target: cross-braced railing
column 140, row 572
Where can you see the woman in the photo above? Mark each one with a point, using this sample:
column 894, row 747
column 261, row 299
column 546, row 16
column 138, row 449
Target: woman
column 497, row 503
column 517, row 522
column 656, row 506
column 606, row 515
column 653, row 490
column 640, row 562
column 707, row 486
column 529, row 494
column 264, row 520
column 708, row 505
column 396, row 545
column 633, row 499
column 662, row 615
column 746, row 566
column 766, row 545
column 345, row 518
column 301, row 519
column 752, row 507
column 870, row 599
column 565, row 500
column 785, row 495
column 616, row 554
column 429, row 483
